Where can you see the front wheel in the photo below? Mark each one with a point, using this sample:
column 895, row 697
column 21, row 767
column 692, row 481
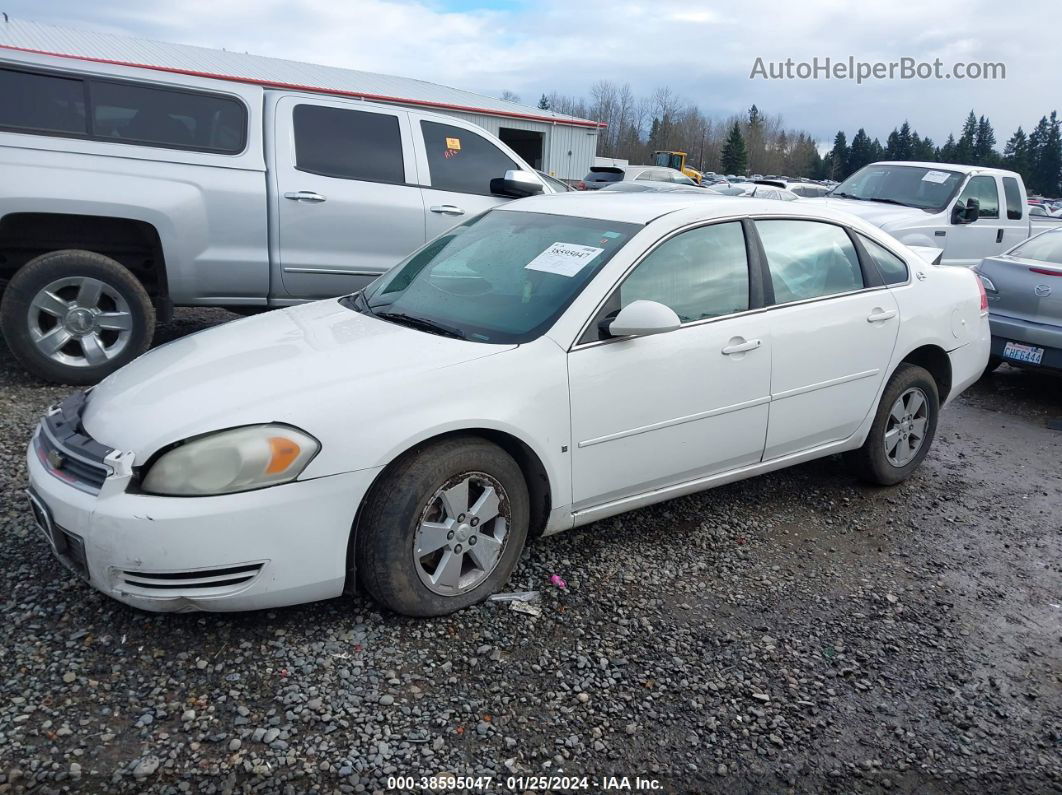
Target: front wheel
column 444, row 528
column 903, row 429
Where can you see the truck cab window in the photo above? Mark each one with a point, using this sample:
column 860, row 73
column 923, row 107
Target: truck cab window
column 461, row 161
column 985, row 191
column 348, row 144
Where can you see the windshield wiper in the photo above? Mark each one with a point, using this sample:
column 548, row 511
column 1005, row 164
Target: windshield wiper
column 421, row 323
column 889, row 201
column 844, row 196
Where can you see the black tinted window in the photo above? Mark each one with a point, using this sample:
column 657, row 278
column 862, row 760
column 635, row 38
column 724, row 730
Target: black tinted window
column 349, row 144
column 461, row 161
column 168, row 118
column 808, row 259
column 893, row 270
column 1013, row 194
column 609, row 175
column 42, row 103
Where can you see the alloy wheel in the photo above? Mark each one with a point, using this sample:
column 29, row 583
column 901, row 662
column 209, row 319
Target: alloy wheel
column 461, row 534
column 905, row 431
column 80, row 321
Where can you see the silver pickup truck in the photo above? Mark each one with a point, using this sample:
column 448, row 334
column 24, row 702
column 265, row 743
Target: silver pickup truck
column 125, row 192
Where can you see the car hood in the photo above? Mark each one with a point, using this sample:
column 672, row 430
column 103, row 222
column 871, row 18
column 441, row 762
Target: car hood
column 884, row 216
column 266, row 368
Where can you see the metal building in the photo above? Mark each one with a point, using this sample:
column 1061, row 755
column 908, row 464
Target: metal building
column 561, row 145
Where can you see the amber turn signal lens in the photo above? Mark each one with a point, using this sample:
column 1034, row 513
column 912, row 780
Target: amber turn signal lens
column 284, row 453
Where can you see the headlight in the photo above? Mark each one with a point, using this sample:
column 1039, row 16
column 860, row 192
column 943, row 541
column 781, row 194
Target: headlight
column 239, row 459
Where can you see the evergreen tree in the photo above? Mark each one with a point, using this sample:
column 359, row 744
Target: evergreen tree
column 964, row 149
column 1049, row 165
column 543, row 102
column 735, row 158
column 892, row 146
column 654, row 135
column 905, row 142
column 838, row 167
column 1016, row 154
column 1037, row 144
column 861, row 152
column 922, row 148
column 946, row 153
column 984, row 152
column 754, row 142
column 877, row 150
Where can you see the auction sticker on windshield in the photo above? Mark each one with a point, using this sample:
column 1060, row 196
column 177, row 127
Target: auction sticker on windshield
column 936, row 176
column 563, row 259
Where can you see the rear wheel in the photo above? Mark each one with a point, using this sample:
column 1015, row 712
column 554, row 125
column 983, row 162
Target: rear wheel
column 444, row 528
column 903, row 429
column 74, row 317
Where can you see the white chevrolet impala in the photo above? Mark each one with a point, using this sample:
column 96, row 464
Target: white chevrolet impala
column 550, row 363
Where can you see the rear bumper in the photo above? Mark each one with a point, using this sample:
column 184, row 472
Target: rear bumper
column 968, row 362
column 1043, row 335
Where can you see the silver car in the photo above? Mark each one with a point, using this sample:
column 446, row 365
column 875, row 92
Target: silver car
column 600, row 176
column 1024, row 289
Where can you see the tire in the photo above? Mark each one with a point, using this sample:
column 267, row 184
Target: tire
column 877, row 461
column 90, row 300
column 993, row 364
column 410, row 493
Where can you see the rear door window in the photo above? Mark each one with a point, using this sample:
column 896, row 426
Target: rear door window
column 461, row 161
column 42, row 103
column 893, row 270
column 1013, row 195
column 809, row 259
column 348, row 144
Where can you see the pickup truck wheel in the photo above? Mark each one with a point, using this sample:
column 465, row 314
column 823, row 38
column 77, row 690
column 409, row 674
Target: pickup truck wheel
column 444, row 528
column 73, row 317
column 903, row 428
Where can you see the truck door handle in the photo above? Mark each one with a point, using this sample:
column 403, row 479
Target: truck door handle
column 999, row 235
column 881, row 315
column 741, row 347
column 304, row 196
column 447, row 209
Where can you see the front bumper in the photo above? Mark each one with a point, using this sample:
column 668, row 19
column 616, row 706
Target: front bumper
column 1043, row 335
column 268, row 548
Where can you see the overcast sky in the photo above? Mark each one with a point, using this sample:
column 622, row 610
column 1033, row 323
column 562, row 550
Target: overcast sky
column 703, row 51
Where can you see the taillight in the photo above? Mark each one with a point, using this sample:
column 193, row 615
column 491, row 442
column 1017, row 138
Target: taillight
column 1046, row 272
column 580, row 185
column 981, row 290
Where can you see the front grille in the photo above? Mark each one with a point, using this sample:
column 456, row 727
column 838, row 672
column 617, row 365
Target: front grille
column 67, row 451
column 194, row 580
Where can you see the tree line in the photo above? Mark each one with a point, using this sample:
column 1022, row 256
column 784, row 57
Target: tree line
column 758, row 143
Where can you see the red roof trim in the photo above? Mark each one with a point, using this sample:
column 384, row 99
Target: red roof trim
column 316, row 89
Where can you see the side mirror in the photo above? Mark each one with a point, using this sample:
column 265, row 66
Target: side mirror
column 968, row 213
column 642, row 318
column 516, row 184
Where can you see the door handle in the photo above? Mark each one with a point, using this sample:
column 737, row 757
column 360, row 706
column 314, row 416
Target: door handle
column 447, row 209
column 881, row 315
column 741, row 347
column 304, row 196
column 999, row 235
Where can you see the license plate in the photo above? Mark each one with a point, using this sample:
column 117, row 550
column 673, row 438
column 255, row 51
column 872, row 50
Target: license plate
column 1018, row 352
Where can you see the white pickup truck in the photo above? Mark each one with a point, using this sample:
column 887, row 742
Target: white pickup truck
column 967, row 212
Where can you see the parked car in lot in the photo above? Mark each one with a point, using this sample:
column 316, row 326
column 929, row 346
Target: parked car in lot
column 600, row 176
column 1024, row 288
column 803, row 189
column 756, row 190
column 124, row 192
column 969, row 212
column 652, row 187
column 550, row 363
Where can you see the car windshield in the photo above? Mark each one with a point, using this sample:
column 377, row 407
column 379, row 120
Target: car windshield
column 1045, row 248
column 502, row 277
column 911, row 186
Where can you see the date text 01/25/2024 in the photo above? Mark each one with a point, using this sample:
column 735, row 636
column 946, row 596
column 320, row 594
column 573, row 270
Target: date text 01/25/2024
column 524, row 783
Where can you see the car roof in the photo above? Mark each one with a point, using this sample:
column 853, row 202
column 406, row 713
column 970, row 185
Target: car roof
column 643, row 207
column 956, row 167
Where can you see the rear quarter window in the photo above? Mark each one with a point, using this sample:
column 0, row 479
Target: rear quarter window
column 893, row 270
column 42, row 103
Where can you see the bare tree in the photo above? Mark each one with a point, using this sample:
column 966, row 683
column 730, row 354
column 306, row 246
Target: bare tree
column 509, row 96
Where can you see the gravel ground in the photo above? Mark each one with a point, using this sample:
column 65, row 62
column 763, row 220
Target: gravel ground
column 795, row 632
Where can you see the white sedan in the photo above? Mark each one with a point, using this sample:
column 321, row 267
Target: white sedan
column 545, row 365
